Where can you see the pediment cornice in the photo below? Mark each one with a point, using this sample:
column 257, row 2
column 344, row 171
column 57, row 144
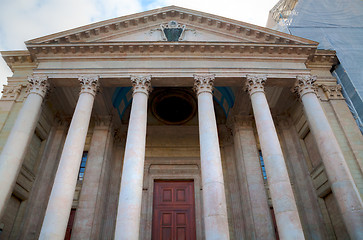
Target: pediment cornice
column 241, row 31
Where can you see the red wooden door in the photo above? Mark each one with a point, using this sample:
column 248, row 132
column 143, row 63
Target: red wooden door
column 173, row 212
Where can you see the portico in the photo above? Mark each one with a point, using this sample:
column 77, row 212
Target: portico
column 225, row 160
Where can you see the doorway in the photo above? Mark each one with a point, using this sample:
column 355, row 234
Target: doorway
column 173, row 210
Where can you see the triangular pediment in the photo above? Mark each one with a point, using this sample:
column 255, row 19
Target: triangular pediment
column 149, row 26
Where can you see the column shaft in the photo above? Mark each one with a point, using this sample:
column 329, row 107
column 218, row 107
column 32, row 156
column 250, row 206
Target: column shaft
column 214, row 199
column 61, row 198
column 246, row 152
column 129, row 204
column 287, row 216
column 342, row 184
column 86, row 210
column 12, row 156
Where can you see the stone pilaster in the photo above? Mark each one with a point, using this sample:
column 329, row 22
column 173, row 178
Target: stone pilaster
column 249, row 172
column 89, row 200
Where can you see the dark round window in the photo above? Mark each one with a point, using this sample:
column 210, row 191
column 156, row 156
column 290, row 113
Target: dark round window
column 173, row 106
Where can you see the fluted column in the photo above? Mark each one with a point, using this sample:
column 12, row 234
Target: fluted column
column 287, row 216
column 61, row 198
column 342, row 185
column 12, row 155
column 129, row 204
column 214, row 199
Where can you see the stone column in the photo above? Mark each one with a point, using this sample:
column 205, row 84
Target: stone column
column 61, row 197
column 287, row 216
column 86, row 210
column 214, row 198
column 247, row 155
column 129, row 203
column 12, row 156
column 342, row 185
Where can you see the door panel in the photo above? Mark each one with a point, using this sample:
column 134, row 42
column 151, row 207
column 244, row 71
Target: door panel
column 173, row 212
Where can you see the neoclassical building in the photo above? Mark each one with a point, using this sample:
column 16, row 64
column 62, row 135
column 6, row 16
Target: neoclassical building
column 177, row 124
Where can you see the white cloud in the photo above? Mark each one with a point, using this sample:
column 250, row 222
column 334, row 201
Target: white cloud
column 22, row 20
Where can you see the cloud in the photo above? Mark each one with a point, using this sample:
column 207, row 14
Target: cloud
column 22, row 20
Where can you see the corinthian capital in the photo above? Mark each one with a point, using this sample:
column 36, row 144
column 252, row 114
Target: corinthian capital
column 255, row 83
column 203, row 83
column 141, row 84
column 304, row 84
column 38, row 84
column 89, row 84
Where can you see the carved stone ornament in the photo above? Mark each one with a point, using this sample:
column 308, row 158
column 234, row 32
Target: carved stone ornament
column 141, row 84
column 333, row 91
column 38, row 84
column 203, row 83
column 304, row 84
column 11, row 93
column 89, row 84
column 255, row 83
column 172, row 31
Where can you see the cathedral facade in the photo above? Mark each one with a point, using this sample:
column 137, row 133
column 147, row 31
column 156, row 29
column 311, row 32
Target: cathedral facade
column 177, row 124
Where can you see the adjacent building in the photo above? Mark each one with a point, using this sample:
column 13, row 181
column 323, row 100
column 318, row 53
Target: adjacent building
column 337, row 25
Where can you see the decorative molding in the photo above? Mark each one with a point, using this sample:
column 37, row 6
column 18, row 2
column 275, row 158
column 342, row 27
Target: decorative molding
column 141, row 84
column 255, row 83
column 203, row 83
column 38, row 84
column 246, row 49
column 332, row 92
column 89, row 84
column 304, row 84
column 11, row 93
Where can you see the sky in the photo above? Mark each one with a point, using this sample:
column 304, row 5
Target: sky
column 22, row 20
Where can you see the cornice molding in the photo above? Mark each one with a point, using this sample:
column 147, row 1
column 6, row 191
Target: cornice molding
column 171, row 47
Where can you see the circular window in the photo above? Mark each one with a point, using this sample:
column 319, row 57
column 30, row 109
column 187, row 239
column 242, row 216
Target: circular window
column 172, row 106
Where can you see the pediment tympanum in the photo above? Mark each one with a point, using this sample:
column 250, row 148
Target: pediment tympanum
column 150, row 26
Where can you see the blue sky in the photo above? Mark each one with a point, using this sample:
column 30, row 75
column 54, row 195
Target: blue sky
column 22, row 20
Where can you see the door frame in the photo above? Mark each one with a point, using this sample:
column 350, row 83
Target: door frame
column 189, row 172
